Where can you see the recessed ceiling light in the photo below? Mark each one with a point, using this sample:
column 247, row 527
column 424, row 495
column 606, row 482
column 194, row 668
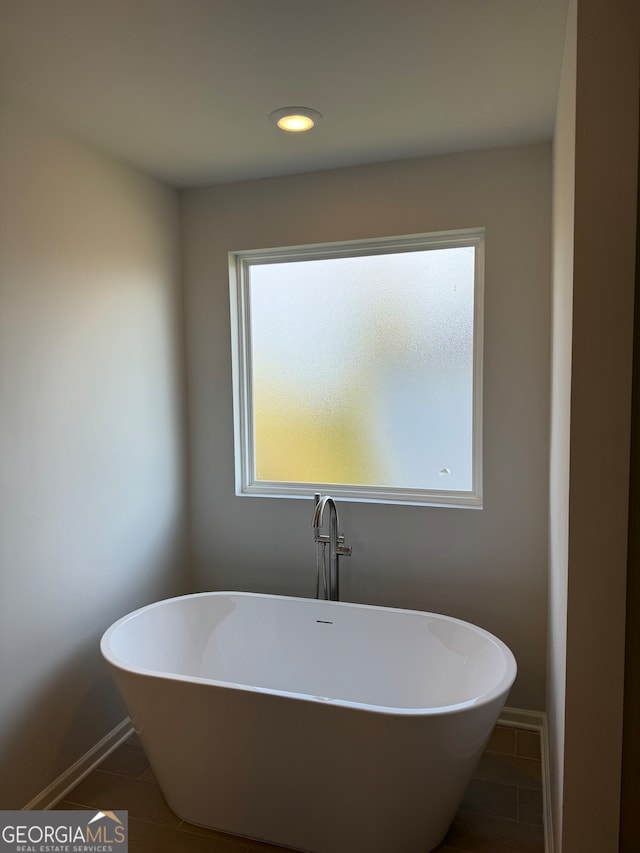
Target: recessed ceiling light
column 295, row 119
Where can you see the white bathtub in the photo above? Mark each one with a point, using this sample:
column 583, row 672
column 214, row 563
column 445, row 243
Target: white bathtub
column 323, row 726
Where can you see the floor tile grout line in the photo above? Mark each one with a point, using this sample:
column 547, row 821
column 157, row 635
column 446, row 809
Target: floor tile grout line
column 130, row 816
column 150, row 822
column 468, row 810
column 516, row 785
column 231, row 839
column 76, row 803
column 532, row 788
column 511, row 755
column 123, row 775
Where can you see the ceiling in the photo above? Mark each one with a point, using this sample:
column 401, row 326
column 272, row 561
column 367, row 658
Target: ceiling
column 182, row 89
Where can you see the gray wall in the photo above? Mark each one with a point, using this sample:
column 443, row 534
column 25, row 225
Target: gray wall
column 594, row 247
column 91, row 474
column 488, row 566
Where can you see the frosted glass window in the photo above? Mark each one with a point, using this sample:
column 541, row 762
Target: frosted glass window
column 357, row 369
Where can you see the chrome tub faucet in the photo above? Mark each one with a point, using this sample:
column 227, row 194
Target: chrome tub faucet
column 335, row 542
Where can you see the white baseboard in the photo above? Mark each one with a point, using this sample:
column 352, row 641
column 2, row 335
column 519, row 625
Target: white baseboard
column 533, row 721
column 67, row 781
column 536, row 721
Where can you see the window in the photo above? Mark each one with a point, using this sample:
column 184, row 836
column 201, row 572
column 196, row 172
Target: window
column 358, row 368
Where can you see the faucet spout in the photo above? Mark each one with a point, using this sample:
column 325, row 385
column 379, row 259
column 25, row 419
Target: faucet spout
column 334, row 540
column 318, row 515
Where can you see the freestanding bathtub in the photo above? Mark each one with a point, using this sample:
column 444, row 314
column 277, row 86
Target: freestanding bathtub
column 323, row 726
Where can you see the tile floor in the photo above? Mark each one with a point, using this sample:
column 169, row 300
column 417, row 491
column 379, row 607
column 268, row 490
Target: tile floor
column 501, row 812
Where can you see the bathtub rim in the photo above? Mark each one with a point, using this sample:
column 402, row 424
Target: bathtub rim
column 500, row 688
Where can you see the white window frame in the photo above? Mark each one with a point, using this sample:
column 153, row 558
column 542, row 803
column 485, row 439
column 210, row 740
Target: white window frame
column 239, row 266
